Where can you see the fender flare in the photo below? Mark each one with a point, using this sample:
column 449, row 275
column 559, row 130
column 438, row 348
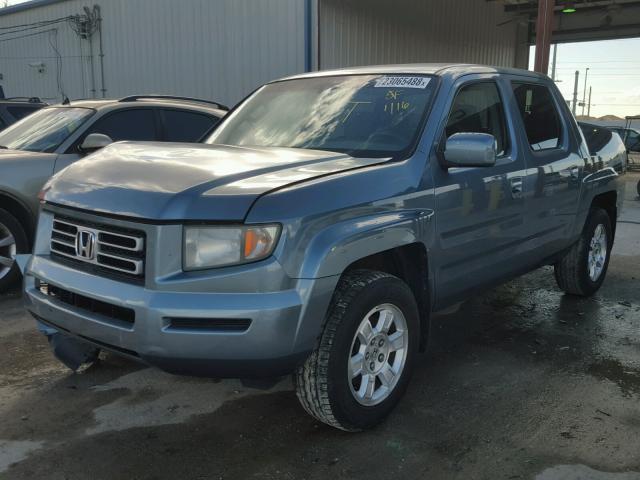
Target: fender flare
column 335, row 248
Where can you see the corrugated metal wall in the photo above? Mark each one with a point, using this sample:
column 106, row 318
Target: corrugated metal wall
column 365, row 32
column 218, row 49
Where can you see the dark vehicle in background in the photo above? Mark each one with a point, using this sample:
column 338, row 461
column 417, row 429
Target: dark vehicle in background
column 16, row 108
column 631, row 137
column 54, row 137
column 602, row 142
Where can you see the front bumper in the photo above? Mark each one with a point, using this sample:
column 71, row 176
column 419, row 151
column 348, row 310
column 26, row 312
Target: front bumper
column 283, row 325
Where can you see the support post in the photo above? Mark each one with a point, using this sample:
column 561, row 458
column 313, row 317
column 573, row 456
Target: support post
column 589, row 104
column 584, row 91
column 544, row 29
column 575, row 93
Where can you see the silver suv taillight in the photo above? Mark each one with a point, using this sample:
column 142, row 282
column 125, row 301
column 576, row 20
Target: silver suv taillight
column 99, row 245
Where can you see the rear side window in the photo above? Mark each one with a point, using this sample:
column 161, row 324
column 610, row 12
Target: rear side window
column 128, row 125
column 478, row 108
column 539, row 114
column 182, row 126
column 21, row 112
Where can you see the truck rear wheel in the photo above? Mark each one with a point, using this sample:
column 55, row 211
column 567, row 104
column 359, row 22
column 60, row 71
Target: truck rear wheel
column 583, row 268
column 13, row 240
column 364, row 359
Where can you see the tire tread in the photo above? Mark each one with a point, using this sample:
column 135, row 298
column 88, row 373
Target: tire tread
column 569, row 270
column 311, row 378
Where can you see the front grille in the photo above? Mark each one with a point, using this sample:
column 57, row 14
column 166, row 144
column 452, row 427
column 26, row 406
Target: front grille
column 123, row 315
column 113, row 249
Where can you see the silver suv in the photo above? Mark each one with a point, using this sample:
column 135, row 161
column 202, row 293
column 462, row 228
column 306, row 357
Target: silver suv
column 54, row 137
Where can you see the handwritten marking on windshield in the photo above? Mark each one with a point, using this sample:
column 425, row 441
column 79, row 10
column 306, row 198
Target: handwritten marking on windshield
column 394, row 107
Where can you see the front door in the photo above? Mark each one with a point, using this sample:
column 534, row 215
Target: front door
column 479, row 210
column 136, row 124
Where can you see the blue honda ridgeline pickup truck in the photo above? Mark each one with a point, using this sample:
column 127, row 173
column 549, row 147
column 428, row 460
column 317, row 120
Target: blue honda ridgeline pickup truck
column 320, row 225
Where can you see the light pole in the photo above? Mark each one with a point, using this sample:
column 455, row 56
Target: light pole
column 584, row 91
column 575, row 93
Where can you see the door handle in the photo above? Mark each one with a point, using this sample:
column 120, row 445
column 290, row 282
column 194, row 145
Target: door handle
column 516, row 187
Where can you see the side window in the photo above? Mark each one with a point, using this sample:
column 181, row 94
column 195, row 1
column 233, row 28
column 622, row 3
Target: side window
column 127, row 125
column 183, row 126
column 633, row 140
column 21, row 112
column 539, row 114
column 478, row 108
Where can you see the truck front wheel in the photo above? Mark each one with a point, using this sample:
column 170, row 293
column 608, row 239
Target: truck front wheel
column 363, row 361
column 583, row 268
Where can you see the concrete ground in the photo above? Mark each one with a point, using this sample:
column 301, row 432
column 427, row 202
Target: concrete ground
column 523, row 382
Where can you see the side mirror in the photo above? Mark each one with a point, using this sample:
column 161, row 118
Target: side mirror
column 95, row 141
column 470, row 150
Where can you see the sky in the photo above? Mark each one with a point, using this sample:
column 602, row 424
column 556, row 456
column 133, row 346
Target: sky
column 614, row 74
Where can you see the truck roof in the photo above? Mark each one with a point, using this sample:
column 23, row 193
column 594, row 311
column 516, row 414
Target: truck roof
column 440, row 69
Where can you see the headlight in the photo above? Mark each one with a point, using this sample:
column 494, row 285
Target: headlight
column 210, row 247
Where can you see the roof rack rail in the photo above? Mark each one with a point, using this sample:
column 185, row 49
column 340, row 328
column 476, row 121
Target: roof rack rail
column 133, row 98
column 24, row 99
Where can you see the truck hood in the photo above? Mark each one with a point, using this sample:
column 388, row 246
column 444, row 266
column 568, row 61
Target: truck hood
column 159, row 181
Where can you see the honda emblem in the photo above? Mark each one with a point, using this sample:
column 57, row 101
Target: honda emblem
column 85, row 244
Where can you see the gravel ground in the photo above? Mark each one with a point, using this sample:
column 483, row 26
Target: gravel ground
column 522, row 382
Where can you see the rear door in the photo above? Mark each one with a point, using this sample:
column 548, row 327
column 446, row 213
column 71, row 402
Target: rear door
column 479, row 210
column 555, row 161
column 185, row 125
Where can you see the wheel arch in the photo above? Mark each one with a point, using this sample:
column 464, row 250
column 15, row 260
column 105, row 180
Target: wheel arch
column 608, row 201
column 409, row 263
column 20, row 211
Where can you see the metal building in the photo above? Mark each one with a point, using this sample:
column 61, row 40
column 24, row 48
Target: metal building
column 223, row 49
column 218, row 49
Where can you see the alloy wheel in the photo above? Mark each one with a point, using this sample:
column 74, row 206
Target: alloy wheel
column 378, row 354
column 7, row 250
column 597, row 253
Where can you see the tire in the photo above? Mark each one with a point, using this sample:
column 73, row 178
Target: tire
column 13, row 240
column 638, row 188
column 572, row 272
column 324, row 384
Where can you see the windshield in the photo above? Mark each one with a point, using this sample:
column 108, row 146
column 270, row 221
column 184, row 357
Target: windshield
column 44, row 130
column 361, row 115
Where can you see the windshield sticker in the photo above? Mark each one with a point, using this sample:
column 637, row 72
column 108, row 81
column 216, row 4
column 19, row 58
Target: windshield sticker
column 406, row 82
